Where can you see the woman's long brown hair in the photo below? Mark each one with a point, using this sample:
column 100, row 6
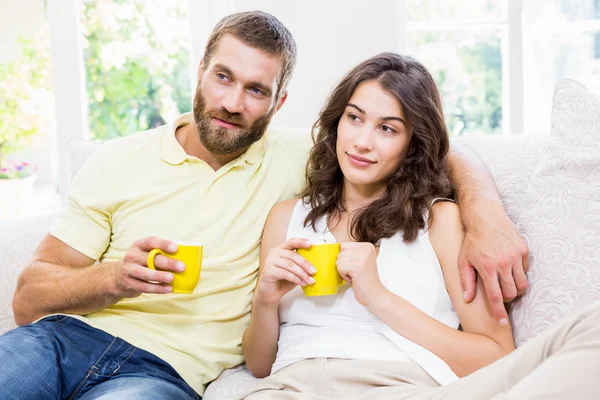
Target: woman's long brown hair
column 421, row 176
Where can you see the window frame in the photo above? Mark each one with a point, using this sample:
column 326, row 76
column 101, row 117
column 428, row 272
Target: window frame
column 511, row 49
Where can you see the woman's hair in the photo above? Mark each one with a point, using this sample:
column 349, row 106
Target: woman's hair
column 420, row 177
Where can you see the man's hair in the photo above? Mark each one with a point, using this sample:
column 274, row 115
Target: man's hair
column 420, row 177
column 262, row 31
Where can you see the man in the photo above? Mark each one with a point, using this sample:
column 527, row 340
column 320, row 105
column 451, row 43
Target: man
column 108, row 326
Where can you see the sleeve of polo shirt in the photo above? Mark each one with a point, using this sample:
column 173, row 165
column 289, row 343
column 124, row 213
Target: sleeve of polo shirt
column 85, row 223
column 298, row 143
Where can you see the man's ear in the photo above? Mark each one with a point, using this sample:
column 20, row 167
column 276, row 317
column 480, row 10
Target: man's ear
column 282, row 100
column 200, row 67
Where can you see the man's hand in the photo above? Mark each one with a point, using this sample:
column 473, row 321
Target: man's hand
column 132, row 277
column 494, row 248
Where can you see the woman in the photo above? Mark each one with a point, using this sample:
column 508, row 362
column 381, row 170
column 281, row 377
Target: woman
column 376, row 178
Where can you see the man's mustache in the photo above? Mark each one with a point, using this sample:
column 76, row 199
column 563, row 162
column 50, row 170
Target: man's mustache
column 226, row 116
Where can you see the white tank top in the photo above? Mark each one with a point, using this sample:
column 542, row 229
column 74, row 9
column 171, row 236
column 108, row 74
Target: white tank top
column 339, row 327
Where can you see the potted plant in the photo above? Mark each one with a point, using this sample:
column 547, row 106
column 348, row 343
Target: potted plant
column 26, row 109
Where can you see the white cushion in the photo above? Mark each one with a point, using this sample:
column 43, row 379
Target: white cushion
column 561, row 216
column 18, row 240
column 79, row 151
column 511, row 161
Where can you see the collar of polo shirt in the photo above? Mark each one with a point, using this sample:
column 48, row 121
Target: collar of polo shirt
column 172, row 153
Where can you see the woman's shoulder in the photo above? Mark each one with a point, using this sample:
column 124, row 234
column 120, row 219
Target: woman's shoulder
column 444, row 219
column 283, row 210
column 442, row 214
column 445, row 227
column 278, row 222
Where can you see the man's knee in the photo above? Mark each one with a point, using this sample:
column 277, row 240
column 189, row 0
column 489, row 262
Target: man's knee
column 28, row 366
column 25, row 343
column 136, row 387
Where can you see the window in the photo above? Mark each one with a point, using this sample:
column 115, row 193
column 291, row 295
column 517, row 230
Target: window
column 462, row 44
column 561, row 39
column 27, row 112
column 136, row 60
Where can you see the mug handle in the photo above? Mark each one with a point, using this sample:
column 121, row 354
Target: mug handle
column 153, row 253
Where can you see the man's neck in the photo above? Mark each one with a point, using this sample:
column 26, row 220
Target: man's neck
column 188, row 138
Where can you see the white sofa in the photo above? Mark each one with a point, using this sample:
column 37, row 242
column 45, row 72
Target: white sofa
column 563, row 277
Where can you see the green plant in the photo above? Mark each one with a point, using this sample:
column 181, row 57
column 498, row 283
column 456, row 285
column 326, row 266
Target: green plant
column 136, row 61
column 26, row 103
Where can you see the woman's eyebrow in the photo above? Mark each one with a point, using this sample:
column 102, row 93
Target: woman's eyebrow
column 357, row 107
column 381, row 118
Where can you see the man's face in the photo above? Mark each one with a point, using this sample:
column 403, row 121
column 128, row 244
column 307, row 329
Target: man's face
column 235, row 98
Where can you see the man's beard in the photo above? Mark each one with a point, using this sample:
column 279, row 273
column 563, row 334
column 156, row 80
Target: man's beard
column 222, row 141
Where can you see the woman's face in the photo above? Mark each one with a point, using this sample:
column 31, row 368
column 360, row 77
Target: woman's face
column 373, row 137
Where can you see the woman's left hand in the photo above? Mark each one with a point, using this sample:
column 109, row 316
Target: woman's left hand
column 357, row 265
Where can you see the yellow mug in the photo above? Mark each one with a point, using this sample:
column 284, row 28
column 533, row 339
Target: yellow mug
column 327, row 279
column 191, row 255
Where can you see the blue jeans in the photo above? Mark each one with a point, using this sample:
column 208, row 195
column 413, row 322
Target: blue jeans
column 61, row 357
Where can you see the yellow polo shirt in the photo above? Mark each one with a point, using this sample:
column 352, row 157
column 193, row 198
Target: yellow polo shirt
column 146, row 185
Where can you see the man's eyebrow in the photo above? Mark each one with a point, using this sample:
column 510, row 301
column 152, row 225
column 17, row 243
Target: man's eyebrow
column 267, row 90
column 225, row 69
column 382, row 118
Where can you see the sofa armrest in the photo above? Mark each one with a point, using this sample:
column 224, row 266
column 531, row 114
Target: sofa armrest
column 18, row 240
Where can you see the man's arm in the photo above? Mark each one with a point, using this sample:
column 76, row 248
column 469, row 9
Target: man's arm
column 60, row 279
column 492, row 244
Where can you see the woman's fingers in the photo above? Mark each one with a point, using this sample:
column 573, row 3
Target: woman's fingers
column 296, row 243
column 283, row 274
column 295, row 269
column 307, row 268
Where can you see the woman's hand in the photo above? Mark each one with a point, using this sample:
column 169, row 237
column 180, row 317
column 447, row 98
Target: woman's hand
column 283, row 270
column 357, row 265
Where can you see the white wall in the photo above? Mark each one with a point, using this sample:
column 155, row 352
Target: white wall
column 340, row 34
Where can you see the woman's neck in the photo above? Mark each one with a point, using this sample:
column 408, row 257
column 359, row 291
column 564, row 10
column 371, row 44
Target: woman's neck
column 355, row 197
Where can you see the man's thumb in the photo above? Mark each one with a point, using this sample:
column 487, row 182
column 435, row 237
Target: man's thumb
column 467, row 278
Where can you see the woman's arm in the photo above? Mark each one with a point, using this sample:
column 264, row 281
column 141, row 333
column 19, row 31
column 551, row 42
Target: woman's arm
column 259, row 342
column 482, row 340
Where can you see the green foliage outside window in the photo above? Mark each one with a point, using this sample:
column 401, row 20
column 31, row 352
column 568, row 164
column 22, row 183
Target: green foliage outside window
column 26, row 102
column 136, row 61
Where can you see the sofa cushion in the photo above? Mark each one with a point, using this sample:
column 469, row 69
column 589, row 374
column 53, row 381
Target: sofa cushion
column 79, row 151
column 511, row 161
column 18, row 240
column 561, row 216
